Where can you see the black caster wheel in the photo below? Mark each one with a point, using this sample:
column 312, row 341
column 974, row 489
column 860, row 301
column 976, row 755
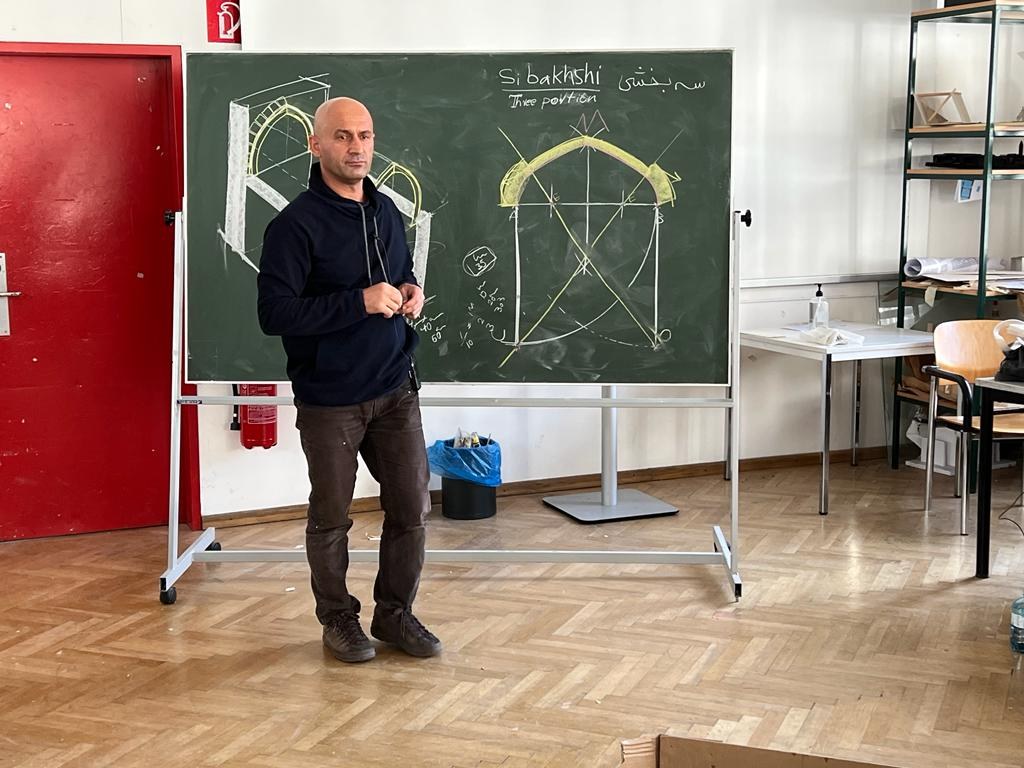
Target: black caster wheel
column 168, row 596
column 215, row 547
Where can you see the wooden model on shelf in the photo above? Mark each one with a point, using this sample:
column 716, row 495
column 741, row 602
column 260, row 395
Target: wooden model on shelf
column 935, row 108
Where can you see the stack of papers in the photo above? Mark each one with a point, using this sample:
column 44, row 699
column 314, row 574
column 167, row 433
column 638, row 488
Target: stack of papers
column 991, row 277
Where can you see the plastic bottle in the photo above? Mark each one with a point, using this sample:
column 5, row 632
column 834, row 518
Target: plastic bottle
column 1015, row 689
column 1017, row 625
column 818, row 314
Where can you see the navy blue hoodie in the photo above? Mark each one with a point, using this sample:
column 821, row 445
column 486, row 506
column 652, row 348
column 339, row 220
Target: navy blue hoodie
column 319, row 253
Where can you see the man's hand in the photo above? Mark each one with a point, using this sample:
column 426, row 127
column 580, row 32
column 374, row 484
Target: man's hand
column 382, row 299
column 412, row 300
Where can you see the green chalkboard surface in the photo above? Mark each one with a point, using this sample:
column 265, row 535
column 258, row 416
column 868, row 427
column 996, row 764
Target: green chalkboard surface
column 568, row 213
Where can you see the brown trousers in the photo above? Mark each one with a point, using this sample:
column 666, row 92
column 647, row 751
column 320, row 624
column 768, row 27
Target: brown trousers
column 388, row 434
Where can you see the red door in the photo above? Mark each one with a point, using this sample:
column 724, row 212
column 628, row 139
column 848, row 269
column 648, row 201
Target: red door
column 88, row 165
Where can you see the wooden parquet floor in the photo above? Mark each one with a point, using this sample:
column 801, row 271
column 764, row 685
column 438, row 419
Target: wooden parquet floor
column 861, row 635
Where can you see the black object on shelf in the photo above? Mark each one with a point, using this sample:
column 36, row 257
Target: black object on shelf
column 462, row 500
column 976, row 161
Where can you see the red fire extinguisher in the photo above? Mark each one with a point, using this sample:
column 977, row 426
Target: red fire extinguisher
column 258, row 423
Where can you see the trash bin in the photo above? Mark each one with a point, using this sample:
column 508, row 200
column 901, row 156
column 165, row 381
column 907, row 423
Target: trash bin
column 462, row 500
column 469, row 478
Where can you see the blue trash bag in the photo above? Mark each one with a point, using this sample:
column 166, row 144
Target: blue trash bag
column 480, row 465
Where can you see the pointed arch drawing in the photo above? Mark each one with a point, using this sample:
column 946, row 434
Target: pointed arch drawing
column 518, row 176
column 266, row 121
column 510, row 194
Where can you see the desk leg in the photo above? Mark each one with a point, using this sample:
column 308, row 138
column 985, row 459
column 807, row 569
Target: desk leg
column 826, row 425
column 984, row 484
column 929, row 463
column 894, row 453
column 855, row 423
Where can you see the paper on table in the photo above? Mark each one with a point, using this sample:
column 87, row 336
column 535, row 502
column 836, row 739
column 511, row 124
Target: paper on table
column 831, row 336
column 807, row 326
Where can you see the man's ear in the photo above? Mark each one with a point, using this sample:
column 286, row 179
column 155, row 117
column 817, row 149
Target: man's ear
column 314, row 145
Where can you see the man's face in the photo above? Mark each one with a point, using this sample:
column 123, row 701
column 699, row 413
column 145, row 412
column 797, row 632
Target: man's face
column 344, row 142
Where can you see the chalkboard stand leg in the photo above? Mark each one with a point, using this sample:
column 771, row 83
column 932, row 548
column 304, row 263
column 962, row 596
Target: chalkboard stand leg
column 727, row 473
column 610, row 504
column 177, row 563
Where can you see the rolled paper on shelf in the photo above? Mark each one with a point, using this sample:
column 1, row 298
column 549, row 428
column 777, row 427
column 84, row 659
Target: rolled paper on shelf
column 918, row 267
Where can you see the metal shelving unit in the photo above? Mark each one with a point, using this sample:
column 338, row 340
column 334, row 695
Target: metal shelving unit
column 994, row 14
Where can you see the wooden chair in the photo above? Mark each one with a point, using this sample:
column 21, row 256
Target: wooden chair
column 964, row 351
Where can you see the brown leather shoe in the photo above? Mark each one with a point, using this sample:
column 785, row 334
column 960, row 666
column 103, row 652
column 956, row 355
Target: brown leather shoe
column 407, row 632
column 345, row 638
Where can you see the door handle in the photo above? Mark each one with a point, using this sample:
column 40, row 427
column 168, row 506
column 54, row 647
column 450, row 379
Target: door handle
column 5, row 313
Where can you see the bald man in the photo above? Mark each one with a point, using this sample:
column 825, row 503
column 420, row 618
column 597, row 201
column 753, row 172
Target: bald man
column 336, row 284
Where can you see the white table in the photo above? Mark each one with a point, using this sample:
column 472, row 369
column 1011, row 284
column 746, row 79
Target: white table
column 879, row 342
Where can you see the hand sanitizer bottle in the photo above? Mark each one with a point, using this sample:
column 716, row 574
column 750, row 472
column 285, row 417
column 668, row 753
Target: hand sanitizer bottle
column 818, row 310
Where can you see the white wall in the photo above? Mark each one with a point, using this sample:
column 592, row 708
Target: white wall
column 818, row 121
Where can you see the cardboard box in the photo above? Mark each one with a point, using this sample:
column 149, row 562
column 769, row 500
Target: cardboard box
column 678, row 752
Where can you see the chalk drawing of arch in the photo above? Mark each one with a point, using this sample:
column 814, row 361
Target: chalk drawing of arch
column 510, row 194
column 411, row 208
column 279, row 175
column 266, row 121
column 252, row 120
column 518, row 176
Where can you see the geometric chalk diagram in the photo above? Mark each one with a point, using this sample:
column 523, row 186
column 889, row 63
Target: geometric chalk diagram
column 608, row 283
column 268, row 155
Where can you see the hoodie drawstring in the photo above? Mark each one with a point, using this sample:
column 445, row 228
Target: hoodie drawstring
column 366, row 244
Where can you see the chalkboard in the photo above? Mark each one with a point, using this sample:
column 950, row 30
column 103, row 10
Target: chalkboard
column 568, row 213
